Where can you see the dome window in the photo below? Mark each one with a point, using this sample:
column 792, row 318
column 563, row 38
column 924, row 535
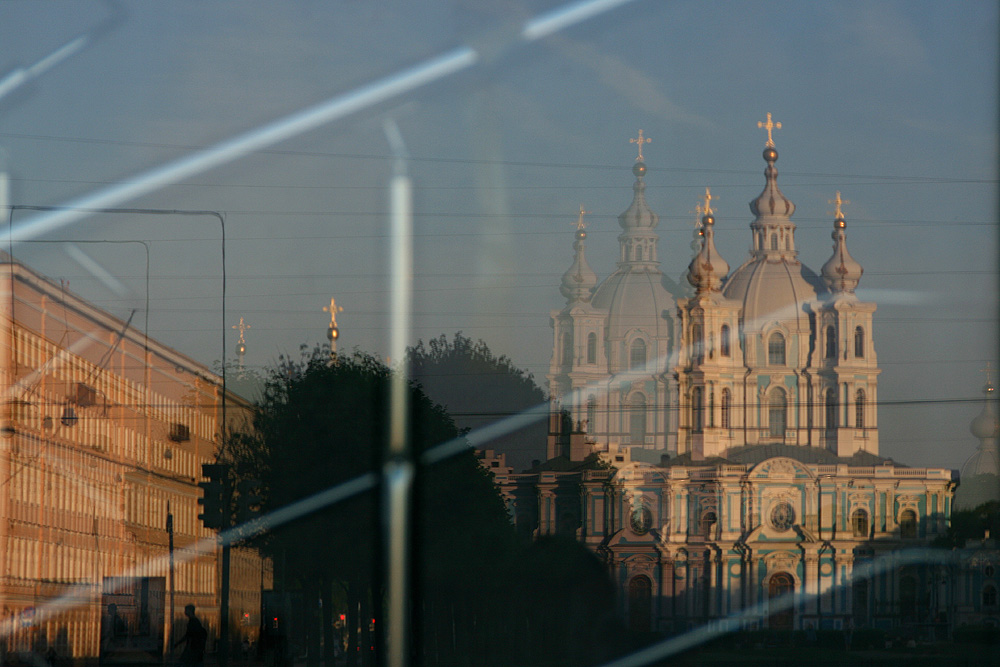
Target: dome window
column 637, row 354
column 774, row 241
column 859, row 409
column 591, row 348
column 831, row 409
column 697, row 343
column 724, row 344
column 777, row 413
column 567, row 352
column 831, row 342
column 776, row 350
column 637, row 419
column 727, row 407
column 859, row 342
column 697, row 410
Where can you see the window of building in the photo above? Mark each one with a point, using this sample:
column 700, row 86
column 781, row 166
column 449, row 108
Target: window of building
column 591, row 348
column 831, row 409
column 774, row 241
column 637, row 354
column 859, row 342
column 591, row 414
column 708, row 521
column 777, row 413
column 908, row 597
column 831, row 342
column 727, row 404
column 859, row 522
column 859, row 409
column 567, row 351
column 989, row 595
column 776, row 349
column 697, row 343
column 637, row 419
column 908, row 524
column 724, row 345
column 697, row 410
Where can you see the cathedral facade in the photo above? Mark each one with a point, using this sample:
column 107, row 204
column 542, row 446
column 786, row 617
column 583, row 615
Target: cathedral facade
column 719, row 450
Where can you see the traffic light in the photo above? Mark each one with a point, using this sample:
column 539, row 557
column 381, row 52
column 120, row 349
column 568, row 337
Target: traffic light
column 213, row 495
column 248, row 501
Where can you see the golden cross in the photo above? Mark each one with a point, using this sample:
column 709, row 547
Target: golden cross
column 769, row 126
column 333, row 309
column 697, row 214
column 641, row 140
column 242, row 326
column 579, row 223
column 989, row 374
column 837, row 203
column 708, row 201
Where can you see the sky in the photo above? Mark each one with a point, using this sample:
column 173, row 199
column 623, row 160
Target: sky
column 894, row 104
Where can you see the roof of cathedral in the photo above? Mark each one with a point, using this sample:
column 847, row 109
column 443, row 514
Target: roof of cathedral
column 773, row 285
column 579, row 280
column 634, row 295
column 754, row 454
column 986, row 427
column 708, row 269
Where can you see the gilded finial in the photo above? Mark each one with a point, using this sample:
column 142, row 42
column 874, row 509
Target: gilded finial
column 242, row 326
column 640, row 141
column 838, row 213
column 989, row 377
column 769, row 125
column 333, row 309
column 580, row 224
column 708, row 202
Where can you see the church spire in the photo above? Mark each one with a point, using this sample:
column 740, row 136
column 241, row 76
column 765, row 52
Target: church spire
column 841, row 272
column 773, row 230
column 708, row 268
column 579, row 281
column 638, row 240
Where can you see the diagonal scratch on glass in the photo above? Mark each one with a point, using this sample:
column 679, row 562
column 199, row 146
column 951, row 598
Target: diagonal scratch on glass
column 310, row 118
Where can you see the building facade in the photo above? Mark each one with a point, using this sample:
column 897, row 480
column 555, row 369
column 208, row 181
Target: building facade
column 104, row 432
column 719, row 451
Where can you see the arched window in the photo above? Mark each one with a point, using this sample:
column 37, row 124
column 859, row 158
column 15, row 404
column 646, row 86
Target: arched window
column 859, row 342
column 908, row 597
column 567, row 351
column 637, row 419
column 591, row 348
column 727, row 405
column 697, row 410
column 859, row 522
column 776, row 349
column 990, row 595
column 697, row 343
column 777, row 413
column 637, row 354
column 831, row 409
column 591, row 414
column 908, row 524
column 788, row 243
column 774, row 241
column 831, row 342
column 708, row 521
column 724, row 345
column 859, row 409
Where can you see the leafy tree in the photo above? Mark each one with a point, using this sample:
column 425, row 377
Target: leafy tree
column 971, row 524
column 478, row 388
column 317, row 425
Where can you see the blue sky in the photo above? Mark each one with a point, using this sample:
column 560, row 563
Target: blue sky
column 892, row 103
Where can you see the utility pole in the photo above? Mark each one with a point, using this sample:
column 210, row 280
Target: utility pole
column 170, row 584
column 216, row 503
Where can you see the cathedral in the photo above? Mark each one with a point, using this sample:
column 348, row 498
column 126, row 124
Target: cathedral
column 718, row 448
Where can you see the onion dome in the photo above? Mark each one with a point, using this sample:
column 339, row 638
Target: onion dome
column 638, row 215
column 841, row 272
column 708, row 268
column 579, row 281
column 771, row 201
column 986, row 425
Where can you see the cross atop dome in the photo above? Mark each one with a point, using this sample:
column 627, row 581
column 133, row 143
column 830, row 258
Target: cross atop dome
column 580, row 224
column 769, row 125
column 708, row 202
column 838, row 213
column 640, row 140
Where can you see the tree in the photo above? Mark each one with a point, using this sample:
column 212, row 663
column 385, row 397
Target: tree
column 317, row 425
column 478, row 388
